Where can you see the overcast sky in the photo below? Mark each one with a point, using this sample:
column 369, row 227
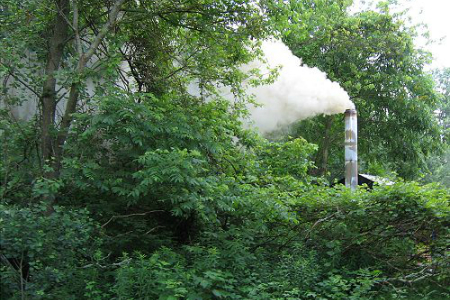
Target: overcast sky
column 436, row 14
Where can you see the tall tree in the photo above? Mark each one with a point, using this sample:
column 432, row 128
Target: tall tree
column 439, row 165
column 442, row 79
column 81, row 49
column 372, row 55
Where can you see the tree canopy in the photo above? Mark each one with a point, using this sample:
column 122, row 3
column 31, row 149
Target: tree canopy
column 122, row 184
column 373, row 56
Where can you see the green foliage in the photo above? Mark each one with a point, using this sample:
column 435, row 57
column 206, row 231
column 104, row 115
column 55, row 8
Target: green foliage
column 207, row 210
column 373, row 57
column 286, row 158
column 442, row 79
column 42, row 253
column 402, row 222
column 181, row 166
column 157, row 194
column 167, row 275
column 439, row 165
column 17, row 170
column 331, row 254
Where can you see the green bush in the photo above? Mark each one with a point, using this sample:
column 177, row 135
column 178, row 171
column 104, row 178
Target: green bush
column 208, row 273
column 207, row 210
column 401, row 230
column 45, row 256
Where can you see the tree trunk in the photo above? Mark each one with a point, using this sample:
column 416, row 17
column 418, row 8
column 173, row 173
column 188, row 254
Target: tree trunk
column 53, row 139
column 56, row 44
column 323, row 153
column 74, row 89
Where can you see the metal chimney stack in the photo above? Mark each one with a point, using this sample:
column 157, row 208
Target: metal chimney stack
column 351, row 149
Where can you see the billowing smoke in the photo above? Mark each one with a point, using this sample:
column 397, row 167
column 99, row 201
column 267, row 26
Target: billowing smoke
column 299, row 92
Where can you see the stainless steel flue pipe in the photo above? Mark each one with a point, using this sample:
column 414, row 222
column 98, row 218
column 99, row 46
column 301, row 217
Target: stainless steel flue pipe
column 351, row 149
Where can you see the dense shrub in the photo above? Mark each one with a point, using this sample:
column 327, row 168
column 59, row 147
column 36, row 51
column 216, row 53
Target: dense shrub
column 45, row 256
column 399, row 228
column 376, row 244
column 182, row 206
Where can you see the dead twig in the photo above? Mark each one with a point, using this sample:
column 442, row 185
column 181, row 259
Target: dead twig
column 318, row 222
column 130, row 215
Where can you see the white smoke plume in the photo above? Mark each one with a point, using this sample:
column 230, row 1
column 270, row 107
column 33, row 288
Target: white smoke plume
column 299, row 92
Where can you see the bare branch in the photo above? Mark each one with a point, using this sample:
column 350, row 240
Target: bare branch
column 84, row 59
column 153, row 229
column 130, row 215
column 317, row 223
column 124, row 262
column 412, row 278
column 112, row 19
column 75, row 28
column 27, row 86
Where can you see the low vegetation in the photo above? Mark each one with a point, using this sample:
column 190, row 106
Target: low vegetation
column 140, row 190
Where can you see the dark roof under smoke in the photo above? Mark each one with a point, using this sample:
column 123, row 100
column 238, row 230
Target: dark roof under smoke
column 369, row 180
